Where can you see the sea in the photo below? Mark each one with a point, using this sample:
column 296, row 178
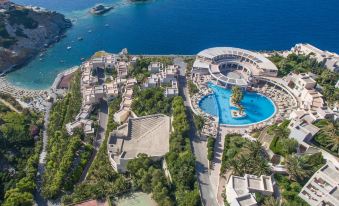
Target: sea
column 180, row 27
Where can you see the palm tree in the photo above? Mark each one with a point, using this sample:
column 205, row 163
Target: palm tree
column 241, row 109
column 297, row 168
column 330, row 132
column 280, row 132
column 271, row 202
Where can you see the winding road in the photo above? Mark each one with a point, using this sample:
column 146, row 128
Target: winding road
column 199, row 145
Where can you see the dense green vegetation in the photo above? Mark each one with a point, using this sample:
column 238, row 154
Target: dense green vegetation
column 64, row 162
column 20, row 16
column 300, row 169
column 8, row 98
column 5, row 39
column 148, row 177
column 243, row 156
column 210, row 148
column 189, row 61
column 180, row 159
column 150, row 101
column 199, row 122
column 19, row 155
column 281, row 144
column 101, row 181
column 301, row 64
column 237, row 95
column 328, row 136
column 192, row 88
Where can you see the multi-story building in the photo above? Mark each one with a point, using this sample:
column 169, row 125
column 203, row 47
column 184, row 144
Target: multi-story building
column 239, row 190
column 155, row 67
column 232, row 66
column 323, row 187
column 143, row 135
column 330, row 59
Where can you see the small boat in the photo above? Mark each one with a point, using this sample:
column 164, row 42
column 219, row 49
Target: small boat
column 89, row 31
column 62, row 61
column 100, row 9
column 40, row 59
column 69, row 47
column 41, row 55
column 80, row 39
column 82, row 59
column 106, row 25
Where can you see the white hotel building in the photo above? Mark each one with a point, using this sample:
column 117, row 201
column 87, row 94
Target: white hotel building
column 232, row 66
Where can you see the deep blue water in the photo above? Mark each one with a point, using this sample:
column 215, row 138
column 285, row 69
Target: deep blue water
column 182, row 27
column 257, row 107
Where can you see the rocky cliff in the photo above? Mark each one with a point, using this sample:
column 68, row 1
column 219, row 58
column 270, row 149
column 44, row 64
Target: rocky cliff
column 25, row 31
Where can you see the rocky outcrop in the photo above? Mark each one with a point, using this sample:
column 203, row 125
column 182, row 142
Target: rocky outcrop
column 26, row 31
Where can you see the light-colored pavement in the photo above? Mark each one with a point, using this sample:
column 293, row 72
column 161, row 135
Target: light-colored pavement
column 42, row 157
column 9, row 105
column 199, row 146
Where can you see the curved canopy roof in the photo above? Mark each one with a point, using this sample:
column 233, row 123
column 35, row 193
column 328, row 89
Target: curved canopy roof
column 259, row 59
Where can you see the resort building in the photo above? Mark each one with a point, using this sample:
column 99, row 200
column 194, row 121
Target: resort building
column 85, row 124
column 92, row 95
column 230, row 66
column 155, row 67
column 330, row 59
column 152, row 81
column 239, row 190
column 168, row 74
column 299, row 82
column 303, row 132
column 165, row 77
column 121, row 115
column 323, row 187
column 143, row 135
column 87, row 79
column 122, row 69
column 172, row 90
column 112, row 90
column 302, row 86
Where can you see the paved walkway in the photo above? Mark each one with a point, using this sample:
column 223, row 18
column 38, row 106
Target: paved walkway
column 9, row 105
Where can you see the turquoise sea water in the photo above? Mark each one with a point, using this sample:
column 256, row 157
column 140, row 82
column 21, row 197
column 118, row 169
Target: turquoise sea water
column 257, row 107
column 181, row 27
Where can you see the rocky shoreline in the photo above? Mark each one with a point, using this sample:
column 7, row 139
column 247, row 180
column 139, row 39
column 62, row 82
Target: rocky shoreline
column 25, row 32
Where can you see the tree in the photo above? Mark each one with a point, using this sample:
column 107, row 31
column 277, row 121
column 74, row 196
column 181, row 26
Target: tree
column 297, row 168
column 241, row 109
column 17, row 197
column 237, row 95
column 270, row 201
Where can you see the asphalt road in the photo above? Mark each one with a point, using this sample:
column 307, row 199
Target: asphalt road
column 199, row 145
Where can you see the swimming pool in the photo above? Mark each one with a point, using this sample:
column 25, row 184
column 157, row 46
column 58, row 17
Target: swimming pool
column 257, row 107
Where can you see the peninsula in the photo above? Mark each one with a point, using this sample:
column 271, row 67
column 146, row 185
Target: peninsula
column 25, row 32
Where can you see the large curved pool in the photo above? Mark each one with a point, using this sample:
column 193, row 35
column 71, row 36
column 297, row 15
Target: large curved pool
column 257, row 107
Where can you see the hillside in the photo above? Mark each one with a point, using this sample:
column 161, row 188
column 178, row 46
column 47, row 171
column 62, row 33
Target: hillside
column 25, row 31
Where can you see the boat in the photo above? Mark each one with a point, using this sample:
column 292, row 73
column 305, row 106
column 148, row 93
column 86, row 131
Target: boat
column 82, row 59
column 100, row 9
column 62, row 61
column 89, row 31
column 106, row 25
column 69, row 47
column 80, row 39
